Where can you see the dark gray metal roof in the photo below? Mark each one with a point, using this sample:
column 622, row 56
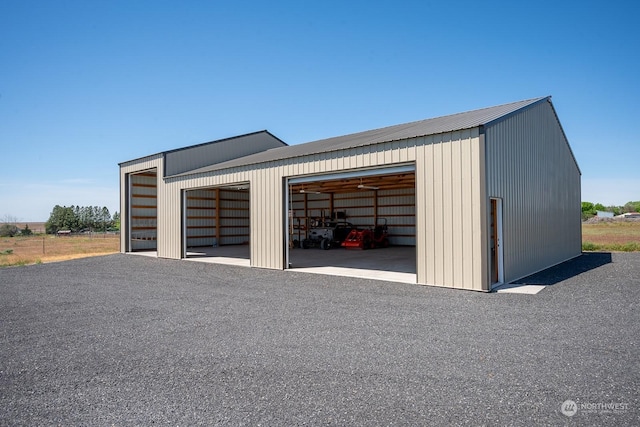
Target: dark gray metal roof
column 434, row 126
column 205, row 144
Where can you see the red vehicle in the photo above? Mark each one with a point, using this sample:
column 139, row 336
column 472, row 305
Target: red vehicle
column 368, row 238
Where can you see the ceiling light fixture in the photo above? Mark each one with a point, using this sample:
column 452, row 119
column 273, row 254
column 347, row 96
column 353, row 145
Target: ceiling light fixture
column 367, row 187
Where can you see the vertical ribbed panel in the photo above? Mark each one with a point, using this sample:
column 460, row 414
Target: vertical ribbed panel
column 530, row 166
column 448, row 182
column 447, row 230
column 267, row 218
column 169, row 221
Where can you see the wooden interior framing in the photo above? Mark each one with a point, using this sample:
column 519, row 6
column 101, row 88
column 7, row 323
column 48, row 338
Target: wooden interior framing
column 349, row 185
column 311, row 200
column 226, row 220
column 143, row 210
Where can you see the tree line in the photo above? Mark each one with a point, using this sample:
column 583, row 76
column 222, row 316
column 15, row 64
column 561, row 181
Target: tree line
column 590, row 209
column 82, row 218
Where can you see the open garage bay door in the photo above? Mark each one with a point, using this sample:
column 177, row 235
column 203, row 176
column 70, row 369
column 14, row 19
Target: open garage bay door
column 323, row 209
column 142, row 210
column 216, row 224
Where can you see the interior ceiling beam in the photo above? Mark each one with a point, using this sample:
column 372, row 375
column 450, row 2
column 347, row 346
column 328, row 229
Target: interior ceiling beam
column 350, row 185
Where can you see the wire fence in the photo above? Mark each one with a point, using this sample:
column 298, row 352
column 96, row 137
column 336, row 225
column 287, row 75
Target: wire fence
column 41, row 248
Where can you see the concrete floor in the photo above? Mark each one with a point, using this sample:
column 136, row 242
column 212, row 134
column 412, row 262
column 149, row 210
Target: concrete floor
column 394, row 264
column 231, row 255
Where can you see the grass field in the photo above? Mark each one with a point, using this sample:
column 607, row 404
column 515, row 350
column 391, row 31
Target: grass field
column 611, row 236
column 46, row 248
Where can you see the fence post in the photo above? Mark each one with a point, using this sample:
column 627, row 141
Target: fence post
column 42, row 245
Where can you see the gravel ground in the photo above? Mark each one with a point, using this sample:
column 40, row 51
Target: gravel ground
column 131, row 340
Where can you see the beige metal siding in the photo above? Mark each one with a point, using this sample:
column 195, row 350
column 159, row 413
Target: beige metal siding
column 267, row 218
column 523, row 159
column 531, row 168
column 448, row 221
column 171, row 212
column 447, row 226
column 169, row 222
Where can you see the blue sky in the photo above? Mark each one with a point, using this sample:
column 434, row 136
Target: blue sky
column 87, row 84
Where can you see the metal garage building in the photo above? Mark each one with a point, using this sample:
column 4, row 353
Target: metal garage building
column 485, row 197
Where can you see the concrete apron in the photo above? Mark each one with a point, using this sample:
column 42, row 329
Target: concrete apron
column 393, row 264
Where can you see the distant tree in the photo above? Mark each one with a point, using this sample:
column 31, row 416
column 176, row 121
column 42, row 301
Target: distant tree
column 631, row 207
column 587, row 206
column 77, row 212
column 62, row 218
column 82, row 217
column 588, row 210
column 617, row 210
column 71, row 220
column 77, row 218
column 88, row 220
column 54, row 223
column 115, row 221
column 8, row 230
column 26, row 231
column 8, row 219
column 105, row 218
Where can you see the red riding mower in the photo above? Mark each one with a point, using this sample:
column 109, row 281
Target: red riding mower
column 368, row 238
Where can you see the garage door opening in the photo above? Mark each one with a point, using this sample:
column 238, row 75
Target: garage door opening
column 142, row 212
column 216, row 225
column 359, row 224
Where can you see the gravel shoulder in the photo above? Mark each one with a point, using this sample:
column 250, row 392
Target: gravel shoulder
column 122, row 340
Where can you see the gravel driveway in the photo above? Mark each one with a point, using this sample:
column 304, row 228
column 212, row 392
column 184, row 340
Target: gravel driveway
column 131, row 340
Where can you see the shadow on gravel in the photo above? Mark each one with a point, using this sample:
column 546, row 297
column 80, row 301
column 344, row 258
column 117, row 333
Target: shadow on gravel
column 585, row 262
